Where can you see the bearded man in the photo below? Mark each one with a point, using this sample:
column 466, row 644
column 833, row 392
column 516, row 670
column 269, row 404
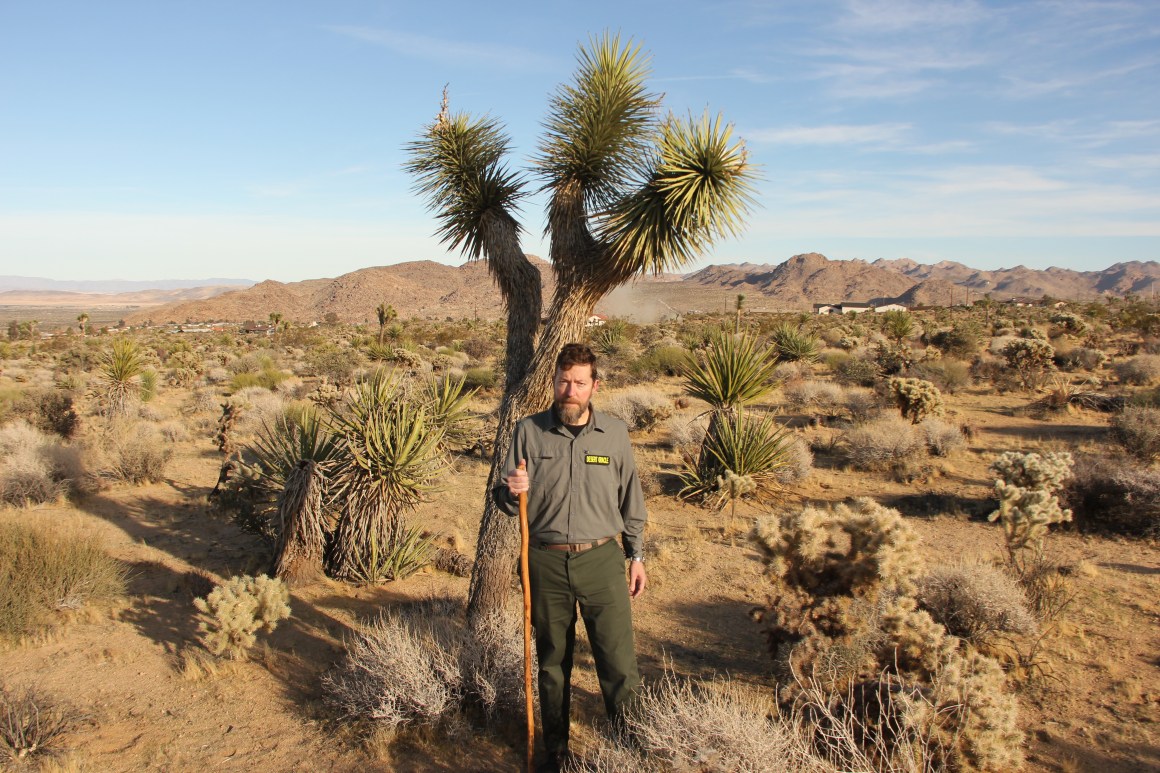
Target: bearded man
column 583, row 491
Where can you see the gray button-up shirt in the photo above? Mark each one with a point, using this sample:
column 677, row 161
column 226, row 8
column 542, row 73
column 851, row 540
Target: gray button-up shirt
column 582, row 488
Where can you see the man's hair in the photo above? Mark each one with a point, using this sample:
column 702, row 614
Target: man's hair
column 576, row 354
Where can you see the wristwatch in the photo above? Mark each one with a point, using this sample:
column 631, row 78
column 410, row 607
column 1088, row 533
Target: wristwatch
column 636, row 558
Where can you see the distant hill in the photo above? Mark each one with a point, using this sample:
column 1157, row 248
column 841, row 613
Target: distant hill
column 426, row 289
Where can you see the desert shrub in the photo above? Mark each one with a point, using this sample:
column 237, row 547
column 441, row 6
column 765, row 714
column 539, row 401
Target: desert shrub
column 788, row 372
column 1108, row 495
column 1030, row 358
column 32, row 724
column 1080, row 358
column 743, row 445
column 256, row 407
column 892, row 359
column 1137, row 429
column 265, row 379
column 917, row 399
column 883, row 444
column 132, row 452
column 819, row 396
column 711, row 727
column 942, row 437
column 659, row 361
column 119, row 376
column 1143, row 369
column 862, row 405
column 335, row 363
column 792, row 344
column 418, row 665
column 43, row 568
column 50, row 410
column 975, row 602
column 231, row 616
column 1068, row 324
column 799, row 463
column 842, row 618
column 961, row 341
column 480, row 378
column 948, row 375
column 479, row 347
column 640, row 409
column 35, row 467
column 686, row 434
column 858, row 371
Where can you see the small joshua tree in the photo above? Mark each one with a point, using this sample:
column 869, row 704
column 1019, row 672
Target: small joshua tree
column 119, row 380
column 1027, row 488
column 234, row 612
column 917, row 399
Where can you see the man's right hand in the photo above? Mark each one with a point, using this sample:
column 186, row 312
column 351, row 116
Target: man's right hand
column 517, row 480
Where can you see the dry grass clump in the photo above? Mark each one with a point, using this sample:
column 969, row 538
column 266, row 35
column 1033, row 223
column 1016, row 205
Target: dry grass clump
column 132, row 452
column 1137, row 428
column 419, row 665
column 32, row 724
column 817, row 396
column 686, row 434
column 942, row 437
column 1142, row 370
column 712, row 727
column 799, row 463
column 887, row 443
column 30, row 472
column 640, row 408
column 258, row 407
column 862, row 405
column 975, row 602
column 42, row 568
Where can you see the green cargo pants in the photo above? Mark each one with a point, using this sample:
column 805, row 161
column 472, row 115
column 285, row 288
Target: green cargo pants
column 595, row 579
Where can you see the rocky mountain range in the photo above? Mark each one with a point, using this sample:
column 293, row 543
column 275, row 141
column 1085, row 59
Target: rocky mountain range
column 426, row 289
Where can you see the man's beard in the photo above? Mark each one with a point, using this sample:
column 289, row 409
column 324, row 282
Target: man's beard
column 570, row 413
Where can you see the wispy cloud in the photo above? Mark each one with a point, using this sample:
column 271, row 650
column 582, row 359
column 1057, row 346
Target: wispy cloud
column 837, row 134
column 1070, row 131
column 431, row 48
column 900, row 15
column 1024, row 87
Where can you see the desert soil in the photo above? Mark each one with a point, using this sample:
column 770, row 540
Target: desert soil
column 132, row 667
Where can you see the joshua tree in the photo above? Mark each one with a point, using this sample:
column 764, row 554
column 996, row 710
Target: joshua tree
column 83, row 319
column 629, row 191
column 386, row 314
column 897, row 325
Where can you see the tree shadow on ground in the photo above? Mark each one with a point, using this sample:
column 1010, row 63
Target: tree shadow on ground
column 1113, row 757
column 1074, row 433
column 930, row 504
column 708, row 638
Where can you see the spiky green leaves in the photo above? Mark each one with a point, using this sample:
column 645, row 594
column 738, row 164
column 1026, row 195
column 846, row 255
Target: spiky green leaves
column 697, row 188
column 735, row 371
column 599, row 126
column 742, row 446
column 458, row 165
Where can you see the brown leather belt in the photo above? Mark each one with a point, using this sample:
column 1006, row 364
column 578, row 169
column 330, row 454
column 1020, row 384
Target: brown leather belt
column 574, row 547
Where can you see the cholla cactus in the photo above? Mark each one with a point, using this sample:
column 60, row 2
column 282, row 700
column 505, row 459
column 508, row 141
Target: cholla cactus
column 233, row 613
column 1069, row 323
column 917, row 399
column 1030, row 358
column 1027, row 503
column 730, row 488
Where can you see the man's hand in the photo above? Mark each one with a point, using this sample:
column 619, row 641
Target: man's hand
column 517, row 480
column 637, row 579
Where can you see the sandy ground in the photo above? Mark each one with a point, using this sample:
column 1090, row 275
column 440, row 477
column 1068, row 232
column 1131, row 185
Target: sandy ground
column 126, row 666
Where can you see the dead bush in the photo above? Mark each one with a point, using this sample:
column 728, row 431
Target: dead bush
column 33, row 724
column 799, row 463
column 34, row 467
column 942, row 437
column 133, row 452
column 640, row 408
column 883, row 444
column 814, row 396
column 975, row 602
column 862, row 405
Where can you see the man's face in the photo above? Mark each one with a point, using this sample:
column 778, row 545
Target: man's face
column 573, row 388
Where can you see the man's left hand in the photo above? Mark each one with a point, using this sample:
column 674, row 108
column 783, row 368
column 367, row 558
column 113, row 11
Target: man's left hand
column 637, row 579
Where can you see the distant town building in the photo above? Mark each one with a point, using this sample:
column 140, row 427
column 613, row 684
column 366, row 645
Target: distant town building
column 855, row 308
column 596, row 320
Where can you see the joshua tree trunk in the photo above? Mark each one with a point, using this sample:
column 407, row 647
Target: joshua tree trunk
column 302, row 533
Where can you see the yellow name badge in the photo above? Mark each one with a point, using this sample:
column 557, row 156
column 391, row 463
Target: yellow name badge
column 594, row 459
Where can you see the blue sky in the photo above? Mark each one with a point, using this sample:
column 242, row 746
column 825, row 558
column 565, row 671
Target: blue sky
column 145, row 140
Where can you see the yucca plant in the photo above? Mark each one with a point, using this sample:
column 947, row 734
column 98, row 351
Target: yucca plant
column 745, row 447
column 898, row 325
column 446, row 403
column 119, row 375
column 792, row 344
column 390, row 456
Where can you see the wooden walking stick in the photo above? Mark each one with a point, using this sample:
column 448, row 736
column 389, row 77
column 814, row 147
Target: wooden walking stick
column 525, row 580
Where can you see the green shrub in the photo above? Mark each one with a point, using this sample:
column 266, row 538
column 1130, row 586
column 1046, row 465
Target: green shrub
column 792, row 344
column 948, row 375
column 266, row 379
column 962, row 341
column 658, row 362
column 479, row 378
column 43, row 568
column 857, row 371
